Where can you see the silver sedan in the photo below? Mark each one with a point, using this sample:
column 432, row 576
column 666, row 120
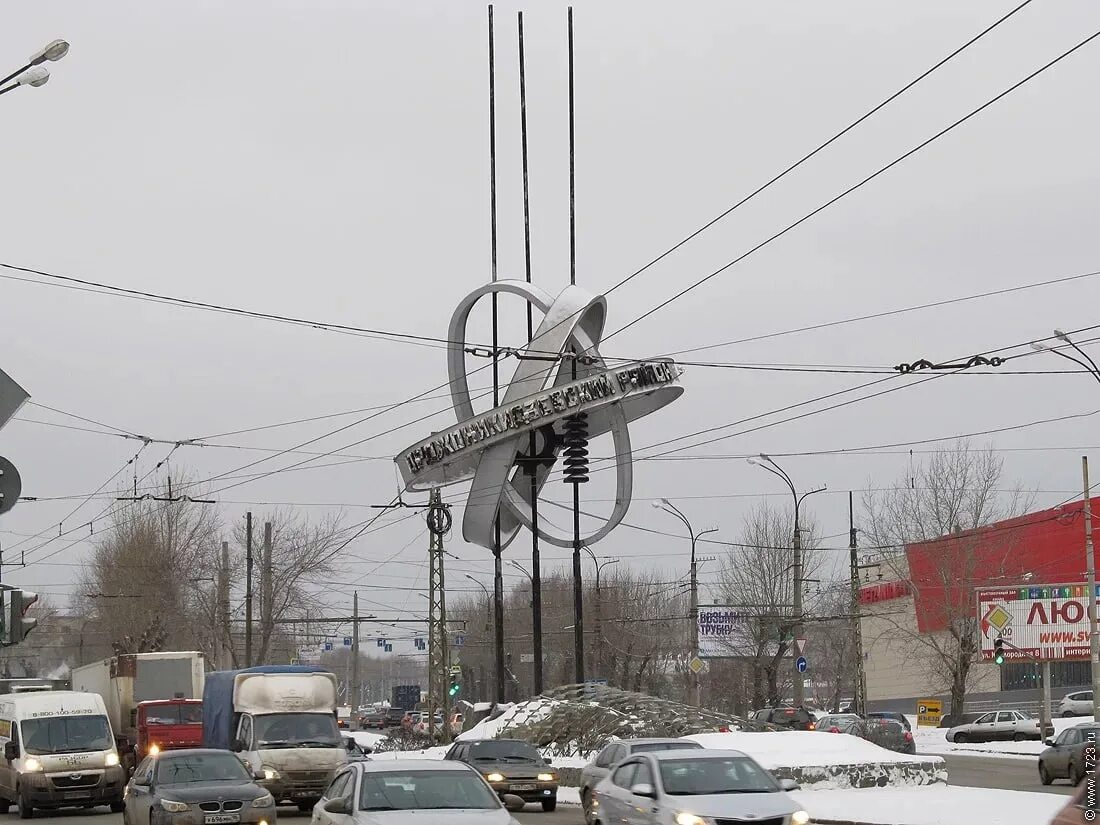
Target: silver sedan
column 403, row 791
column 694, row 787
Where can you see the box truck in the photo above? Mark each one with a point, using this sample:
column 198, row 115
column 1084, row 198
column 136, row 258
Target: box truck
column 154, row 700
column 281, row 720
column 59, row 752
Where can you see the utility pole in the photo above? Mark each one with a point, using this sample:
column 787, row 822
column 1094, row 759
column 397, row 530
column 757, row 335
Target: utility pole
column 354, row 686
column 859, row 695
column 439, row 671
column 598, row 606
column 248, row 590
column 267, row 586
column 1090, row 560
column 225, row 636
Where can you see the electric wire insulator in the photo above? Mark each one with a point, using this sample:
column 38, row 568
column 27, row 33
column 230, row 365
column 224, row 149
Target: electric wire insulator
column 575, row 441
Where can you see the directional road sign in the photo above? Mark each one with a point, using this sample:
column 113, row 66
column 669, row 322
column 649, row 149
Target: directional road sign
column 460, row 640
column 801, row 664
column 347, row 641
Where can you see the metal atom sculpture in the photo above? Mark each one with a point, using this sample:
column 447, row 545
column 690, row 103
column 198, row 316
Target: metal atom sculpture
column 542, row 397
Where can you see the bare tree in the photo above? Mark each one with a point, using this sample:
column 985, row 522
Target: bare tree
column 758, row 578
column 944, row 501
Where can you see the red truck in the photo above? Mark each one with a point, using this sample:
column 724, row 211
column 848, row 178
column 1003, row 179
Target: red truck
column 168, row 724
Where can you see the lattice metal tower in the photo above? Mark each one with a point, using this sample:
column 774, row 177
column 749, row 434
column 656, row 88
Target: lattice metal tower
column 439, row 524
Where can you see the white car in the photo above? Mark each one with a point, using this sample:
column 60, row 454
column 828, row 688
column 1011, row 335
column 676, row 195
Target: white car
column 412, row 791
column 694, row 787
column 999, row 725
column 1076, row 704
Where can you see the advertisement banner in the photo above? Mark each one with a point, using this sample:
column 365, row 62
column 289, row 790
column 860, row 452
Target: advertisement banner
column 732, row 633
column 1048, row 621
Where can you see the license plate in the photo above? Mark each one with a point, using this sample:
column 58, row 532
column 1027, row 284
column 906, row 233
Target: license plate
column 76, row 795
column 219, row 819
column 303, row 794
column 521, row 787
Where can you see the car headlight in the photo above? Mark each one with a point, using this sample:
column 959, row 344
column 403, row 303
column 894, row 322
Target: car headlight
column 800, row 818
column 265, row 801
column 685, row 818
column 495, row 777
column 32, row 765
column 546, row 777
column 154, row 749
column 174, row 807
column 270, row 773
column 112, row 760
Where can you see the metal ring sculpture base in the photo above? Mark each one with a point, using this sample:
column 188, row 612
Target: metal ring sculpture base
column 542, row 393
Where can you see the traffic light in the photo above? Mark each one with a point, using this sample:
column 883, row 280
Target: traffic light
column 999, row 652
column 455, row 687
column 19, row 602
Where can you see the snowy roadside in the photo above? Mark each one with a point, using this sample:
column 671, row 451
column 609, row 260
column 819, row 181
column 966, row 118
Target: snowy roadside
column 931, row 805
column 934, row 741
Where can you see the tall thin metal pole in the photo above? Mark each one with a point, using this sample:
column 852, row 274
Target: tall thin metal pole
column 225, row 635
column 532, row 467
column 860, row 693
column 354, row 689
column 578, row 585
column 696, row 684
column 248, row 591
column 1090, row 560
column 498, row 571
column 799, row 682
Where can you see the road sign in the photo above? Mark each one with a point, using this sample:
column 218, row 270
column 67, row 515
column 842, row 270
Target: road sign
column 460, row 640
column 328, row 646
column 929, row 713
column 456, row 670
column 12, row 397
column 801, row 664
column 347, row 641
column 10, row 485
column 696, row 665
column 799, row 646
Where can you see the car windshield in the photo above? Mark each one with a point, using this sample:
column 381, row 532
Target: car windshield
column 297, row 730
column 67, row 734
column 425, row 790
column 715, row 775
column 207, row 767
column 647, row 747
column 174, row 715
column 504, row 751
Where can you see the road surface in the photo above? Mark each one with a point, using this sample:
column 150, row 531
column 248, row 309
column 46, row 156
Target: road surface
column 1000, row 772
column 564, row 815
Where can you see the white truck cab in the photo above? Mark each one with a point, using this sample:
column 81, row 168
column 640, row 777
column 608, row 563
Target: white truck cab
column 58, row 752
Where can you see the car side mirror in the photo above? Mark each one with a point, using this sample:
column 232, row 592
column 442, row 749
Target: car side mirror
column 514, row 803
column 141, row 780
column 239, row 745
column 789, row 785
column 1048, row 742
column 11, row 751
column 645, row 790
column 338, row 806
column 548, row 763
column 258, row 776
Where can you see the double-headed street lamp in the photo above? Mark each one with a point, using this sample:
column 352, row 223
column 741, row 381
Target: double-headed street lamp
column 1090, row 553
column 768, row 464
column 599, row 610
column 669, row 507
column 488, row 601
column 34, row 74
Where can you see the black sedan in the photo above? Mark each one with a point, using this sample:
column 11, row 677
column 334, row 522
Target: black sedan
column 1068, row 756
column 199, row 785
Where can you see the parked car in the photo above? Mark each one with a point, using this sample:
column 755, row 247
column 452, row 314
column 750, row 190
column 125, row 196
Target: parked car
column 614, row 753
column 510, row 767
column 375, row 719
column 999, row 725
column 886, row 733
column 175, row 786
column 659, row 788
column 1076, row 704
column 1067, row 755
column 408, row 790
column 837, row 722
column 900, row 718
column 786, row 717
column 951, row 720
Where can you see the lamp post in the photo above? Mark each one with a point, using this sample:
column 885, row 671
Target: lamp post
column 693, row 610
column 1090, row 551
column 488, row 601
column 599, row 611
column 34, row 73
column 768, row 464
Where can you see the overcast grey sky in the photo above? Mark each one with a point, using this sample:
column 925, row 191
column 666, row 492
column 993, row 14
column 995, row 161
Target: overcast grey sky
column 330, row 160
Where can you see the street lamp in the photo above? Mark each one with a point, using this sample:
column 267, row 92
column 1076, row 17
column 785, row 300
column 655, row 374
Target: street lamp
column 488, row 600
column 693, row 611
column 1090, row 551
column 52, row 51
column 767, row 463
column 599, row 610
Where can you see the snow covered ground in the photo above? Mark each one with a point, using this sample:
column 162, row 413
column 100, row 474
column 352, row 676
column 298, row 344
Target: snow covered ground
column 934, row 740
column 793, row 748
column 932, row 805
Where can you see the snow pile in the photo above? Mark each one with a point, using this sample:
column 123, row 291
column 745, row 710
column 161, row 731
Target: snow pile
column 829, row 760
column 937, row 805
column 524, row 713
column 366, row 739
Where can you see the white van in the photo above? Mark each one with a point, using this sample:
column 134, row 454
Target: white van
column 59, row 752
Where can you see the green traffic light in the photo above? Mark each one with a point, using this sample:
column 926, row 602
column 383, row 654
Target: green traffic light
column 999, row 658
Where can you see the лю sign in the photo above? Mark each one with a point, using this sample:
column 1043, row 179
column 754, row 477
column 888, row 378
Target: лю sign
column 1041, row 622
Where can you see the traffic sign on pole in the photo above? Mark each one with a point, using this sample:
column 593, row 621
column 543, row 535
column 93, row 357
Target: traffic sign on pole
column 801, row 664
column 799, row 646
